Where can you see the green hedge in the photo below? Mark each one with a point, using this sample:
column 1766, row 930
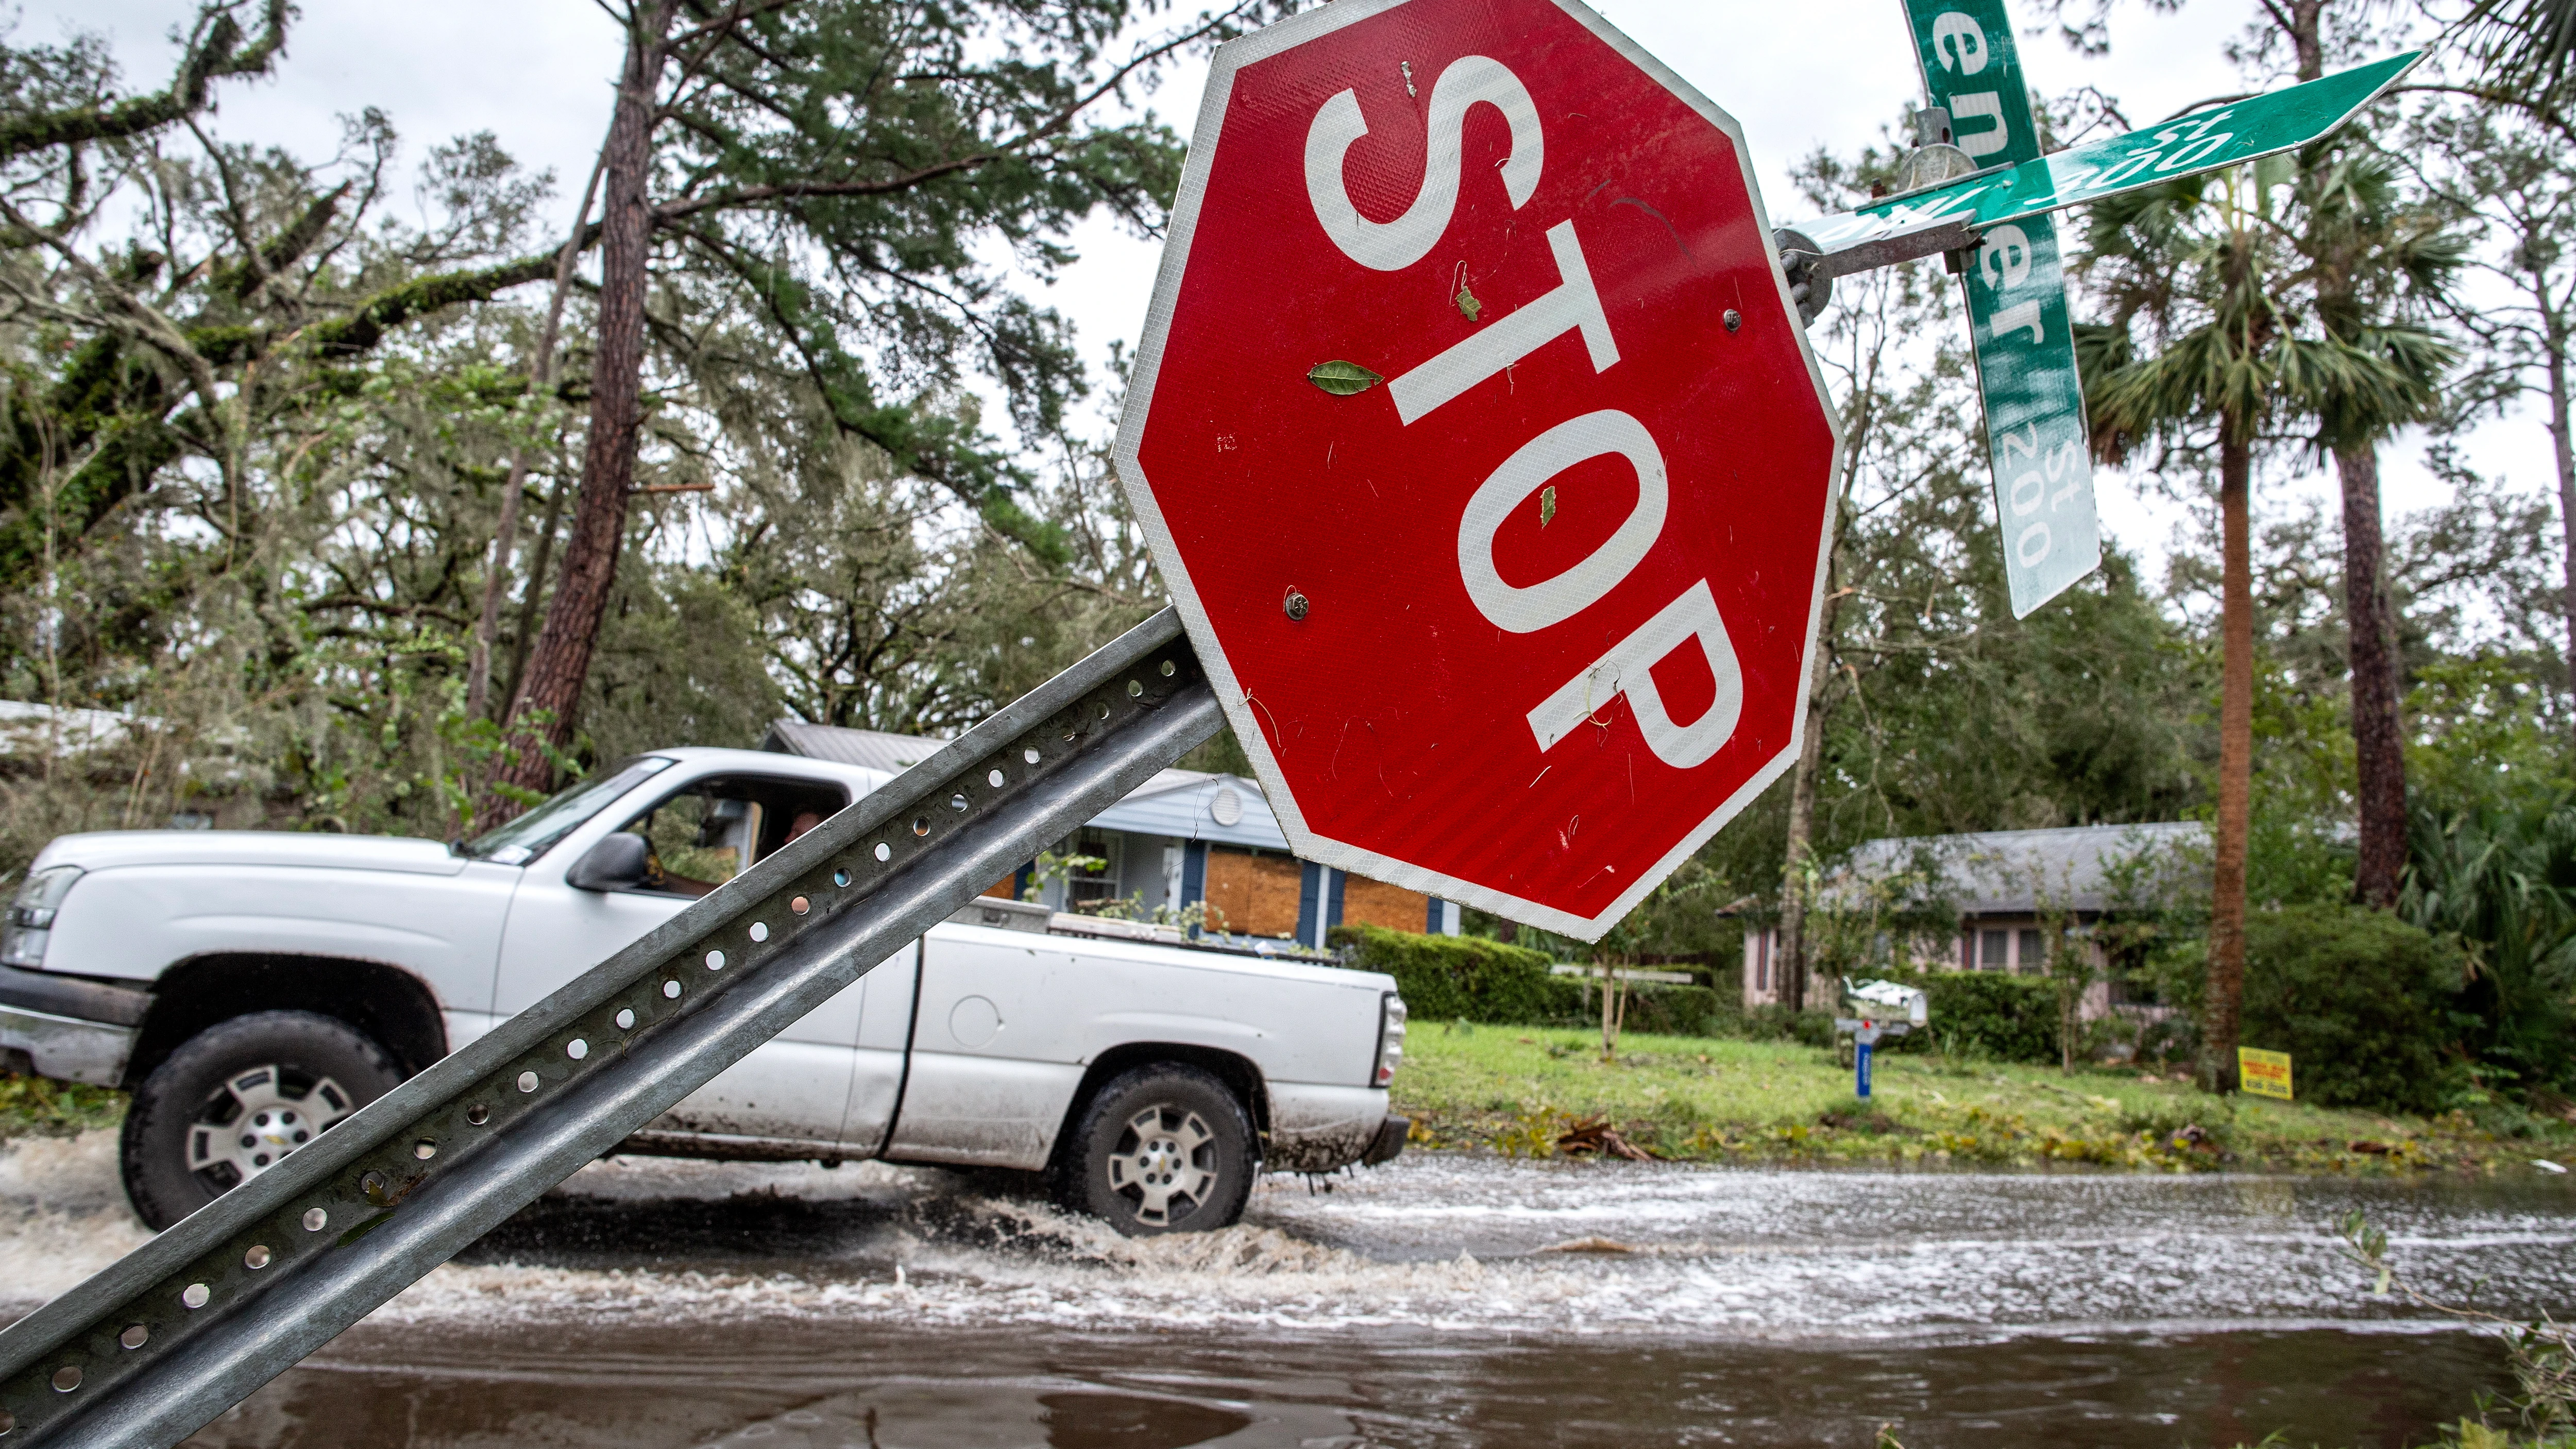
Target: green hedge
column 1462, row 978
column 1986, row 1014
column 2360, row 1000
column 1666, row 1010
column 1469, row 978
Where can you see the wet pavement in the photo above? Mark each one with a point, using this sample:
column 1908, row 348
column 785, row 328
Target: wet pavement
column 1439, row 1301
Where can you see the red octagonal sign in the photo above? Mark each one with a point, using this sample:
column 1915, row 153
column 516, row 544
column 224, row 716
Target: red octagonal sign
column 1481, row 447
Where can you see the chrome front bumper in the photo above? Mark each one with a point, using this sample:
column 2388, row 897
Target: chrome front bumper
column 67, row 1048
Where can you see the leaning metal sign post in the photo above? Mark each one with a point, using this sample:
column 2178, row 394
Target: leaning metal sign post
column 2018, row 319
column 1479, row 442
column 1480, row 446
column 187, row 1325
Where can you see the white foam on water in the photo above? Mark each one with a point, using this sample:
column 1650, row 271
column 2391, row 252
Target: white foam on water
column 65, row 1214
column 1458, row 1244
column 1715, row 1253
column 665, row 1179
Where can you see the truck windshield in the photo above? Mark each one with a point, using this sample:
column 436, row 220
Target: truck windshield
column 534, row 833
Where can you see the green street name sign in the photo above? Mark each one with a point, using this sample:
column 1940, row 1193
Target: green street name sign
column 2208, row 140
column 2018, row 317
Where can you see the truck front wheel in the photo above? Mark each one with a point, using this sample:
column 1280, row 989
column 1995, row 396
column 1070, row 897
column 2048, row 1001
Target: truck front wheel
column 236, row 1099
column 1163, row 1148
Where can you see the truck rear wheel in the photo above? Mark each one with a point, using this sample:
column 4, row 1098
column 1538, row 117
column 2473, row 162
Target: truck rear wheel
column 236, row 1099
column 1163, row 1148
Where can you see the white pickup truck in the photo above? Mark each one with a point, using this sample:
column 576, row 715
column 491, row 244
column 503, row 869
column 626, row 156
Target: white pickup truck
column 252, row 988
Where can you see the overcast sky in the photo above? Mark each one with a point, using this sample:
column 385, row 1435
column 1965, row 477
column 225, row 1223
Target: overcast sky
column 538, row 74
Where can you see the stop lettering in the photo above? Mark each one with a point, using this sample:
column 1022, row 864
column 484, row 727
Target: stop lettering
column 1481, row 448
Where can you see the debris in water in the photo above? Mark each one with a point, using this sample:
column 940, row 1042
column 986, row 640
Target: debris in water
column 1342, row 379
column 1589, row 1245
column 1596, row 1135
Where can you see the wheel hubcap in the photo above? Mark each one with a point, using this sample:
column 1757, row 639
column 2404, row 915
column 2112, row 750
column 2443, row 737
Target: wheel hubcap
column 1165, row 1164
column 256, row 1118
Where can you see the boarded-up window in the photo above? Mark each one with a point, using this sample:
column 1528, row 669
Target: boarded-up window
column 1253, row 895
column 1367, row 902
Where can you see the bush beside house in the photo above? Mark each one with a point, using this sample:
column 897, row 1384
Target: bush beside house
column 1462, row 978
column 1985, row 1014
column 2360, row 1000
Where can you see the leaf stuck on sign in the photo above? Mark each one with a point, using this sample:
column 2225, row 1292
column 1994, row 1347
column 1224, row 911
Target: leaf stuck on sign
column 1342, row 379
column 1547, row 505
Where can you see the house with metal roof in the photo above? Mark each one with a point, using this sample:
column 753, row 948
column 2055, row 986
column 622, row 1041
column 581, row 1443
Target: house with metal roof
column 1183, row 838
column 2003, row 888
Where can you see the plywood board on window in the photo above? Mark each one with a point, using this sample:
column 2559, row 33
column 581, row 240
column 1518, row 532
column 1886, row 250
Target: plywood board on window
column 1255, row 895
column 1368, row 902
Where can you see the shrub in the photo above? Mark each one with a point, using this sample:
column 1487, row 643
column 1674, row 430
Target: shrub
column 1469, row 978
column 1463, row 978
column 2360, row 1000
column 1985, row 1014
column 1665, row 1010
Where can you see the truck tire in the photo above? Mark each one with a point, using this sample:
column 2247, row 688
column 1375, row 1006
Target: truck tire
column 235, row 1099
column 1163, row 1148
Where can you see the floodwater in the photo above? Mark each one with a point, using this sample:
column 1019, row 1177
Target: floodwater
column 1439, row 1301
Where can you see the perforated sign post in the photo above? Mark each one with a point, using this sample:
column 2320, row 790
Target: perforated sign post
column 1480, row 445
column 2018, row 319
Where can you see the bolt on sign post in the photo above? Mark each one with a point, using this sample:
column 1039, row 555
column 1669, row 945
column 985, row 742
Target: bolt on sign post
column 2018, row 318
column 1481, row 448
column 2262, row 1073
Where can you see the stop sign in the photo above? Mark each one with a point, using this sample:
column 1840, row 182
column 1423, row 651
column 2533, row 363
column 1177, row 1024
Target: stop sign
column 1480, row 445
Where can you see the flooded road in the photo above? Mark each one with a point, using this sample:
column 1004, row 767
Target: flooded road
column 1439, row 1301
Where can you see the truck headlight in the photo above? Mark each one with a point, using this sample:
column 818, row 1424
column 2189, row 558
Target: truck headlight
column 31, row 915
column 1390, row 1038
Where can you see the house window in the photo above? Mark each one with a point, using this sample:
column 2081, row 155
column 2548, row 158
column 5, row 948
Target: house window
column 1762, row 960
column 1994, row 949
column 2033, row 956
column 1092, row 885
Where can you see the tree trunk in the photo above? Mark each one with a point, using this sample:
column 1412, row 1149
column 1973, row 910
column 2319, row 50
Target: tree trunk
column 1789, row 971
column 523, row 632
column 2307, row 37
column 2226, row 988
column 1609, row 1018
column 2563, row 449
column 561, row 661
column 2377, row 734
column 505, row 534
column 1789, row 975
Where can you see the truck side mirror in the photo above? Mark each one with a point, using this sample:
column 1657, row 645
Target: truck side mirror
column 618, row 863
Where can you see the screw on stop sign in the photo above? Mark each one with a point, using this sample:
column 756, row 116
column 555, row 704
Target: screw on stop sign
column 1569, row 520
column 1574, row 306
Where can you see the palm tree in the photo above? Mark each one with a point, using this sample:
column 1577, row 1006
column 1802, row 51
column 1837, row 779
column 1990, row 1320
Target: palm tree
column 2206, row 267
column 2374, row 263
column 2527, row 46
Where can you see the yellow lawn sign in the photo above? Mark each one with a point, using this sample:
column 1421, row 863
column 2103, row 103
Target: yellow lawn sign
column 2265, row 1074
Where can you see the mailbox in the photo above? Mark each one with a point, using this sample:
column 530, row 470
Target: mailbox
column 1873, row 1009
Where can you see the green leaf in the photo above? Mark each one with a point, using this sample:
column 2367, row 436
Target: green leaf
column 1468, row 306
column 1342, row 379
column 1547, row 505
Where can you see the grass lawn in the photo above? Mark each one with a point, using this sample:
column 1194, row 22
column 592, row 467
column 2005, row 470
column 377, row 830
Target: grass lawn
column 1518, row 1089
column 33, row 1106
